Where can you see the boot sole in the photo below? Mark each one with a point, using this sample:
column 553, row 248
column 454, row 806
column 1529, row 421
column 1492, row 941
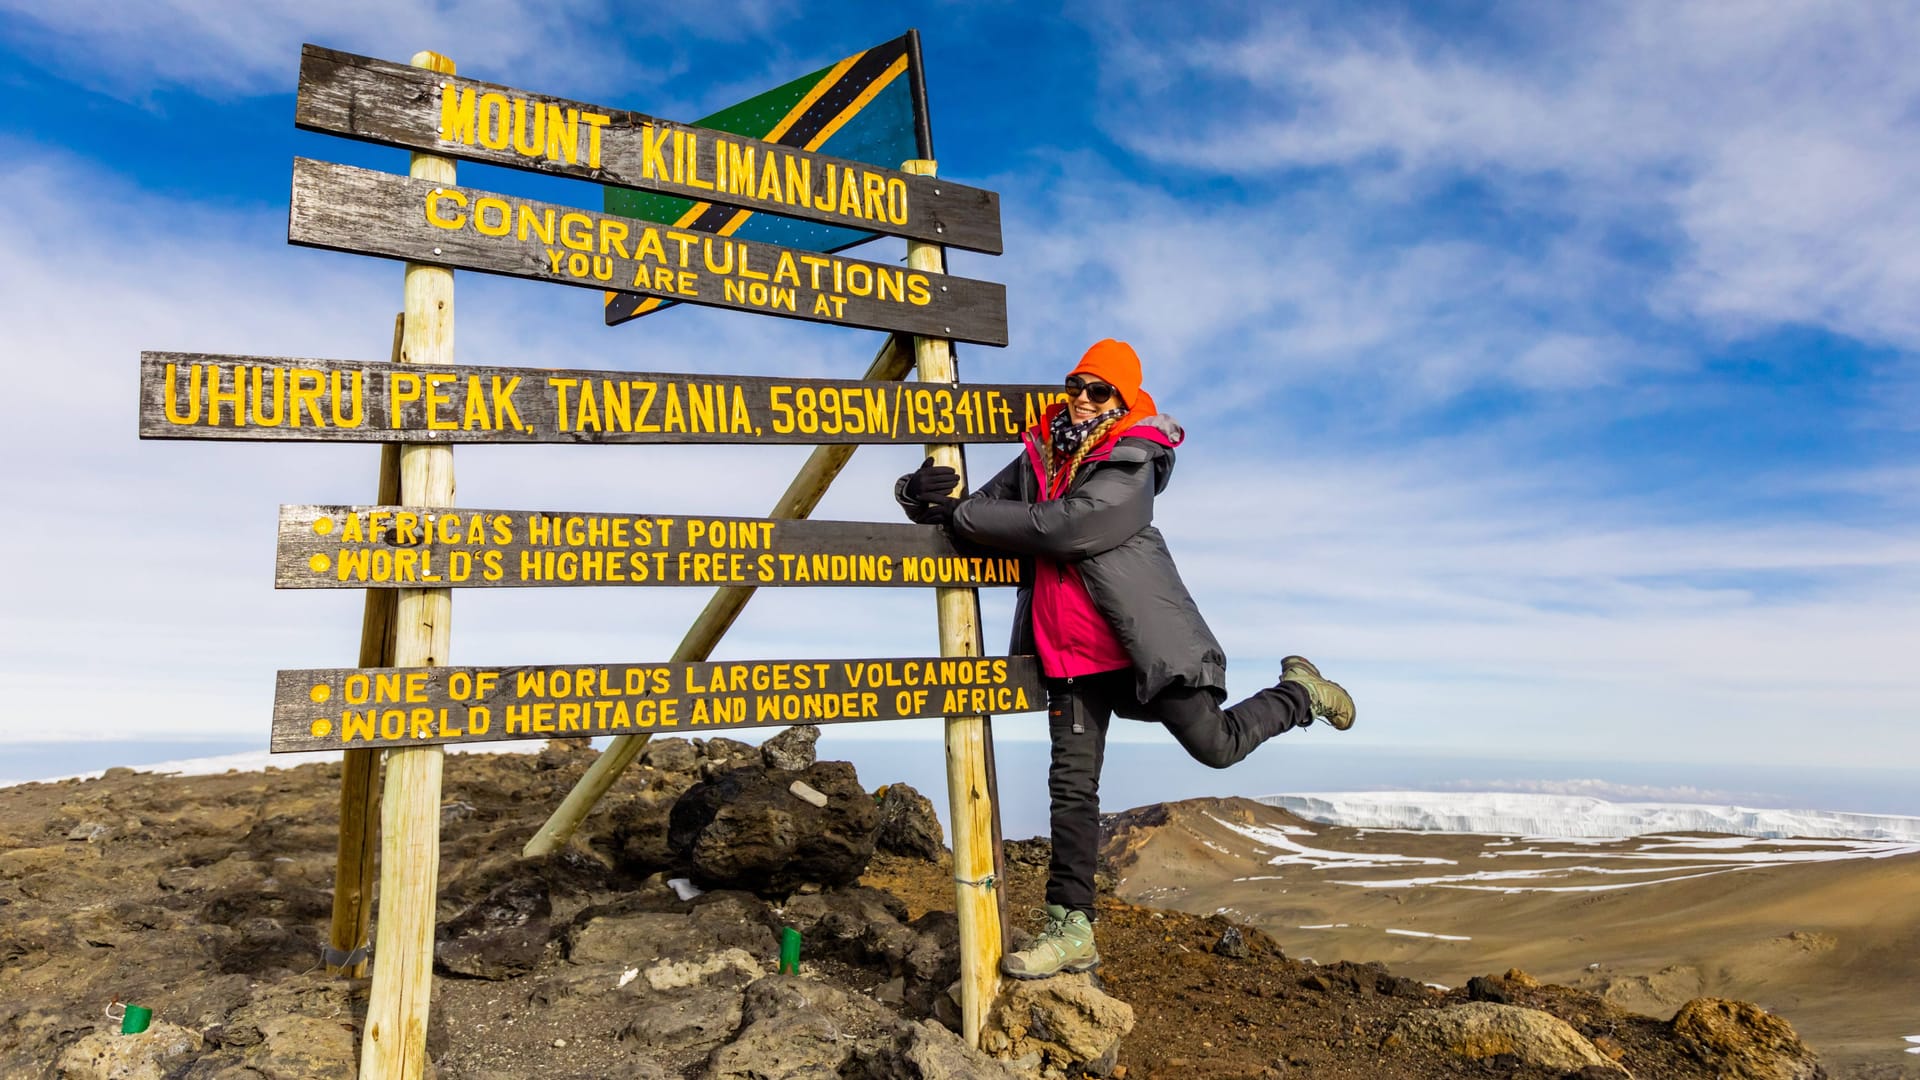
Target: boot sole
column 1068, row 970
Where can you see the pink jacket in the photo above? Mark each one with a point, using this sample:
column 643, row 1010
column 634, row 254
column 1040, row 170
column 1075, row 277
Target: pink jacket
column 1070, row 634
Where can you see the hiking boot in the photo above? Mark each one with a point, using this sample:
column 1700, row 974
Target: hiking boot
column 1065, row 944
column 1330, row 700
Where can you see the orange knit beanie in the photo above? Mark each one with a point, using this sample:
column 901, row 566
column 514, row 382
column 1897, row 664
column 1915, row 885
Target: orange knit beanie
column 1116, row 364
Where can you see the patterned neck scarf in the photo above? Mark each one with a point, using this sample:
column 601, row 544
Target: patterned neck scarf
column 1065, row 436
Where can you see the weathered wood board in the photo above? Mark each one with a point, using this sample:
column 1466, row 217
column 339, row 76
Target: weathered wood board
column 346, row 708
column 398, row 105
column 365, row 212
column 357, row 547
column 199, row 396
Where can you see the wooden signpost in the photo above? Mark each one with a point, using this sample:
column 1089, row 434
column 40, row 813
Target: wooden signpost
column 357, row 547
column 263, row 398
column 976, row 847
column 406, row 700
column 347, row 708
column 397, row 105
column 363, row 212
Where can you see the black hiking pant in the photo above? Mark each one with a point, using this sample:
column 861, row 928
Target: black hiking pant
column 1078, row 710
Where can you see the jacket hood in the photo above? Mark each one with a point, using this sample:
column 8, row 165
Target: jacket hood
column 1166, row 427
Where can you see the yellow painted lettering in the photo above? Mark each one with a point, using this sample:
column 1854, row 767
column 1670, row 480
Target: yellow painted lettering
column 560, row 388
column 653, row 146
column 739, row 167
column 456, row 114
column 576, row 231
column 529, row 131
column 535, row 224
column 481, row 225
column 563, row 134
column 438, row 398
column 693, row 163
column 613, row 238
column 495, row 121
column 435, row 217
column 896, row 200
column 769, row 180
column 594, row 122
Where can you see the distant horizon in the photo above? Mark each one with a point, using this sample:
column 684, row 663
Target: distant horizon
column 1141, row 774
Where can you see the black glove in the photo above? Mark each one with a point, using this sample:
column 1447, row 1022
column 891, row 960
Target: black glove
column 926, row 493
column 934, row 512
column 929, row 483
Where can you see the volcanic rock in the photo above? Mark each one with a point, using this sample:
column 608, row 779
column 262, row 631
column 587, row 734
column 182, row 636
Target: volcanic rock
column 1483, row 1029
column 699, row 1020
column 671, row 755
column 743, row 828
column 150, row 1055
column 792, row 749
column 793, row 1028
column 502, row 936
column 1067, row 1020
column 908, row 825
column 1744, row 1042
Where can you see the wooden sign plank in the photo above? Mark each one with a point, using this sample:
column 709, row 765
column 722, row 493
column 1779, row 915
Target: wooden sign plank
column 364, row 212
column 254, row 398
column 350, row 708
column 398, row 105
column 358, row 547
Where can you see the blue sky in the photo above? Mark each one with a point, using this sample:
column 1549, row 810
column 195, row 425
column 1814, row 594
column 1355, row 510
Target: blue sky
column 1550, row 370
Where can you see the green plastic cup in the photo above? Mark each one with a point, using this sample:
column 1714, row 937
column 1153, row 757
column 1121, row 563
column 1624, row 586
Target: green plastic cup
column 136, row 1020
column 789, row 951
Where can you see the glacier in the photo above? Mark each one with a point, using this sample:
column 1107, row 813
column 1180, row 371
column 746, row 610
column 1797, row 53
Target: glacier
column 1579, row 816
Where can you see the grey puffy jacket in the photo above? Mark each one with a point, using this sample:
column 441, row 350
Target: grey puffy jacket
column 1104, row 526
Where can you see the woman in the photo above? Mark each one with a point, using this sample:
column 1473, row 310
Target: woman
column 1107, row 614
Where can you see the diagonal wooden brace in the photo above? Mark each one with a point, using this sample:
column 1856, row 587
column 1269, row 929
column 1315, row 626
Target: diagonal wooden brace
column 893, row 362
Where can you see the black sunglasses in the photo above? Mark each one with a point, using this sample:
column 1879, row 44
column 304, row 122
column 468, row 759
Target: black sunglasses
column 1097, row 392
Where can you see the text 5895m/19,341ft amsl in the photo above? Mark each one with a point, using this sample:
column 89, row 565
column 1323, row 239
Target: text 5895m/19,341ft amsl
column 196, row 396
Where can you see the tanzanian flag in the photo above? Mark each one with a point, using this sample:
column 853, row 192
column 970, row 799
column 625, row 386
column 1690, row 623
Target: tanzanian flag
column 870, row 107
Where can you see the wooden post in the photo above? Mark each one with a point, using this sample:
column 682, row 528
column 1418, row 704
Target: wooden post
column 969, row 788
column 891, row 364
column 346, row 952
column 395, row 1043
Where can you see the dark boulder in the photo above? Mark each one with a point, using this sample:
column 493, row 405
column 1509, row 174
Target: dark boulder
column 908, row 825
column 792, row 750
column 502, row 936
column 746, row 828
column 671, row 755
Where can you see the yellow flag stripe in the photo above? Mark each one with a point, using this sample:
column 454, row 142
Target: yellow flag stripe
column 873, row 90
column 786, row 123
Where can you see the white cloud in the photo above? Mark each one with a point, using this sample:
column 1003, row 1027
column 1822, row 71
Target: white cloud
column 1266, row 297
column 237, row 47
column 1771, row 146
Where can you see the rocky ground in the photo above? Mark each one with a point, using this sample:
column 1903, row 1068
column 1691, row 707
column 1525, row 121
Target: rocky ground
column 207, row 898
